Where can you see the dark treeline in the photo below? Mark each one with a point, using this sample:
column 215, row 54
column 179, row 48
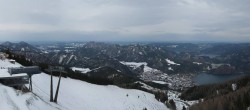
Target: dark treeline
column 238, row 100
column 18, row 58
column 220, row 96
column 210, row 91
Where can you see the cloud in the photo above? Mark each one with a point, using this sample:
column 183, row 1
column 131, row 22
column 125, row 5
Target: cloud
column 178, row 20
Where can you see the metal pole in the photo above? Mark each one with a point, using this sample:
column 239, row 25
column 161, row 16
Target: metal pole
column 51, row 86
column 58, row 86
column 30, row 83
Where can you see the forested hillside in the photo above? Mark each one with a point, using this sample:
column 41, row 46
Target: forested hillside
column 220, row 96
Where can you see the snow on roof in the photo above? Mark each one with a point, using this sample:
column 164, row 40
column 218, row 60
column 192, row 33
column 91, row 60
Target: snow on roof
column 4, row 65
column 29, row 70
column 5, row 74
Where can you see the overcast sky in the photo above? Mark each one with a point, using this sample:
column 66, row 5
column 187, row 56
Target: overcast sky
column 125, row 20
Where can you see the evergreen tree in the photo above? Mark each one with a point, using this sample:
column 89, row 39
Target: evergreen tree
column 184, row 108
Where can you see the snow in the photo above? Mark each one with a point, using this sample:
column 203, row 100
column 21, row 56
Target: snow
column 6, row 74
column 12, row 99
column 61, row 58
column 148, row 74
column 82, row 70
column 21, row 74
column 170, row 68
column 56, row 51
column 197, row 63
column 171, row 95
column 173, row 46
column 178, row 102
column 171, row 62
column 22, row 49
column 149, row 69
column 6, row 63
column 68, row 50
column 4, row 68
column 11, row 60
column 72, row 56
column 160, row 82
column 134, row 65
column 75, row 95
column 46, row 52
column 145, row 86
column 140, row 53
column 88, row 96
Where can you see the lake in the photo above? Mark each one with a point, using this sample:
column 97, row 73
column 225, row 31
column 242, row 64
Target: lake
column 205, row 78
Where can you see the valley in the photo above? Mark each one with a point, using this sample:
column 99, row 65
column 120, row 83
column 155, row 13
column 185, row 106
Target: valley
column 166, row 70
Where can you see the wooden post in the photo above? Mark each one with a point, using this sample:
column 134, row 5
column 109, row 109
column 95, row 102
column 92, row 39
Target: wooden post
column 58, row 86
column 51, row 86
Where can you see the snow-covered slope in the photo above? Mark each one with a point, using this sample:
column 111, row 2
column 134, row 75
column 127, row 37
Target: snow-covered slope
column 178, row 102
column 76, row 95
column 12, row 99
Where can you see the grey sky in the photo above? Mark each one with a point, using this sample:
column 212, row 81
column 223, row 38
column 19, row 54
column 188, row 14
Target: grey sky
column 128, row 20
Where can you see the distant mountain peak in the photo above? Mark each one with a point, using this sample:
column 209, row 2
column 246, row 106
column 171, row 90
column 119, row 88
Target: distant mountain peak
column 22, row 42
column 7, row 43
